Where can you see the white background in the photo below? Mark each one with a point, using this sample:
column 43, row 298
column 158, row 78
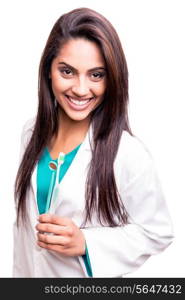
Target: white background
column 153, row 37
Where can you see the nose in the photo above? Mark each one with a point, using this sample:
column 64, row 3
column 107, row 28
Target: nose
column 80, row 87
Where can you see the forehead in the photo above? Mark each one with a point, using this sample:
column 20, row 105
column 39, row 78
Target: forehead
column 81, row 54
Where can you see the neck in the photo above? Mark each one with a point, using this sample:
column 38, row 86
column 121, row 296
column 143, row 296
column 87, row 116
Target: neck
column 71, row 132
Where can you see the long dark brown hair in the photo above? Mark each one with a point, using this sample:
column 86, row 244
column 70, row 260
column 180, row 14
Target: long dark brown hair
column 108, row 120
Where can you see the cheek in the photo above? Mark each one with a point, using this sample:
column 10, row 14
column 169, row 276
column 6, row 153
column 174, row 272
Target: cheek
column 59, row 84
column 100, row 89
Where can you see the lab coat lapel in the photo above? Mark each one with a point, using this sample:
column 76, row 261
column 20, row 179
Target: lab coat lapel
column 34, row 185
column 86, row 146
column 76, row 169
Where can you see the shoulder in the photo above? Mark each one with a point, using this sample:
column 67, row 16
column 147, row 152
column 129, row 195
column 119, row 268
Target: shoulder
column 29, row 125
column 133, row 148
column 27, row 131
column 133, row 156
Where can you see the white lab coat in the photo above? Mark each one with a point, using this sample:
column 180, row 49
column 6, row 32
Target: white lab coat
column 113, row 252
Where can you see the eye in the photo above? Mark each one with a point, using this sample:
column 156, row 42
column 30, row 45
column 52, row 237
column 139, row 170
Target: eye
column 97, row 75
column 66, row 72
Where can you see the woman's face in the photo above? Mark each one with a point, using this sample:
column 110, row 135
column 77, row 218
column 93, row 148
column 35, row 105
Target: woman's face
column 78, row 78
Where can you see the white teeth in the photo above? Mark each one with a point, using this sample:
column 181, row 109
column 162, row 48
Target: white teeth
column 81, row 102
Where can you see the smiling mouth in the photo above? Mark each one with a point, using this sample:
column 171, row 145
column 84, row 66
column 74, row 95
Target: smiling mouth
column 79, row 102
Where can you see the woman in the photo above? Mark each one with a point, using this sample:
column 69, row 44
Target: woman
column 89, row 202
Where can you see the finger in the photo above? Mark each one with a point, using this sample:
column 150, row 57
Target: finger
column 52, row 228
column 57, row 248
column 53, row 239
column 54, row 219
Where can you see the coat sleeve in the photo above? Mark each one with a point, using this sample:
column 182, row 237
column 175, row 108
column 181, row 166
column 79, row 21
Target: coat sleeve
column 117, row 251
column 25, row 137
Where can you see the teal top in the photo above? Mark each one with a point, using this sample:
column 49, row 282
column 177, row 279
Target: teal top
column 44, row 175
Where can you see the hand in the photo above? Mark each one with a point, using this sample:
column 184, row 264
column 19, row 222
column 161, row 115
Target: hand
column 66, row 237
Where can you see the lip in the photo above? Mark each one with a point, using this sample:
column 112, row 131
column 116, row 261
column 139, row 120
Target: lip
column 76, row 106
column 78, row 99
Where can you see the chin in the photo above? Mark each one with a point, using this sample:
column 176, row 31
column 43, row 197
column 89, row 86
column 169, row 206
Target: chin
column 79, row 118
column 76, row 116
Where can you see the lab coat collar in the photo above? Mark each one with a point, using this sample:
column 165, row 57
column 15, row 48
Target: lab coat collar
column 87, row 143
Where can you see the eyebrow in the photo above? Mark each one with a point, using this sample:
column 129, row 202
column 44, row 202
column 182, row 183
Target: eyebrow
column 90, row 70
